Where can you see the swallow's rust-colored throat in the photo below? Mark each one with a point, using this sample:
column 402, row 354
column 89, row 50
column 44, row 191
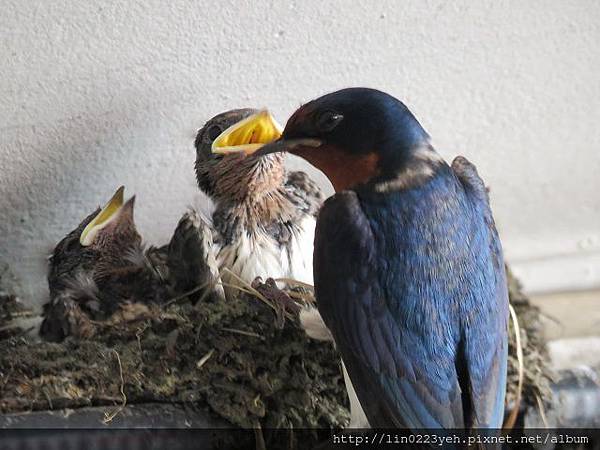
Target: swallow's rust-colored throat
column 343, row 170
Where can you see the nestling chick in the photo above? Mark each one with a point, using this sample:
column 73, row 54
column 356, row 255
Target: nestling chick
column 97, row 268
column 102, row 267
column 264, row 217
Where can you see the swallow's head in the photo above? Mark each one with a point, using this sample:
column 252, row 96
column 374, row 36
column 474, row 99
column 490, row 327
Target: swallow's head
column 352, row 135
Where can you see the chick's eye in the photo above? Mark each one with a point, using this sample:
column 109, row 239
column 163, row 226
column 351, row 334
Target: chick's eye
column 328, row 120
column 214, row 131
column 72, row 245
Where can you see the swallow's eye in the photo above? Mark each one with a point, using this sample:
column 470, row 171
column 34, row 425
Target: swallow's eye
column 214, row 131
column 328, row 120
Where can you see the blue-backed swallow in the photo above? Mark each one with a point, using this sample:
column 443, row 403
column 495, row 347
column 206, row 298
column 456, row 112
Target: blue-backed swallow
column 408, row 267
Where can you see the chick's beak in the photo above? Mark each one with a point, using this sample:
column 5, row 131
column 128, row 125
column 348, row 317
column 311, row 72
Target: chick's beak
column 116, row 213
column 125, row 214
column 101, row 220
column 248, row 135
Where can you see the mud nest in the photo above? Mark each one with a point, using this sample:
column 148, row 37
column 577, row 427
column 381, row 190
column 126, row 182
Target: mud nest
column 537, row 374
column 231, row 358
column 11, row 308
column 236, row 359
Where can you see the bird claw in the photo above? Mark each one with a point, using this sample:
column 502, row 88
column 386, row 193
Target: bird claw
column 281, row 301
column 257, row 283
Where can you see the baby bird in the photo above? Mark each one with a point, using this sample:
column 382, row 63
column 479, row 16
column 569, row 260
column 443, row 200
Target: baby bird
column 265, row 216
column 102, row 267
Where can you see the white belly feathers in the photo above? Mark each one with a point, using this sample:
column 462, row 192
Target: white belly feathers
column 260, row 255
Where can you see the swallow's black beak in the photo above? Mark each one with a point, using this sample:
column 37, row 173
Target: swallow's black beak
column 286, row 145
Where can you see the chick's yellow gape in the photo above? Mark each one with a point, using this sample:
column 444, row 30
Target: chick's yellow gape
column 248, row 135
column 103, row 217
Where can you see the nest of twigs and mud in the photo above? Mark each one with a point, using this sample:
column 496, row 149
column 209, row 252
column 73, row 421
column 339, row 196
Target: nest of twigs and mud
column 232, row 358
column 241, row 360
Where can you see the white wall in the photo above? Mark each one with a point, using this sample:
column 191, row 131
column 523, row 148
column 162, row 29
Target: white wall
column 98, row 94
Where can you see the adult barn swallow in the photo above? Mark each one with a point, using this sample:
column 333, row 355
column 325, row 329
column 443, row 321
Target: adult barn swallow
column 102, row 266
column 408, row 266
column 264, row 217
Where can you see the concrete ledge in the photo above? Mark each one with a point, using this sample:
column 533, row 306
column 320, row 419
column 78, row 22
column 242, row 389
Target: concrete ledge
column 558, row 273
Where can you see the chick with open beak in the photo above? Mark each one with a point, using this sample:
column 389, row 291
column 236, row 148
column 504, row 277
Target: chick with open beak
column 264, row 217
column 102, row 267
column 91, row 273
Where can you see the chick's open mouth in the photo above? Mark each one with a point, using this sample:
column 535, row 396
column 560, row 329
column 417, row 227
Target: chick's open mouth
column 248, row 135
column 103, row 218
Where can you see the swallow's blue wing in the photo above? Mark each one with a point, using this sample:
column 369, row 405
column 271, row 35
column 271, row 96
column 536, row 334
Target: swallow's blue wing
column 487, row 369
column 400, row 279
column 390, row 367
